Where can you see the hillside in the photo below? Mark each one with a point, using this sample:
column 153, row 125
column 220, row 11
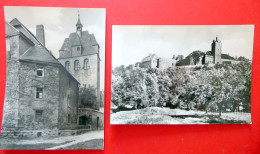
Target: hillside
column 219, row 88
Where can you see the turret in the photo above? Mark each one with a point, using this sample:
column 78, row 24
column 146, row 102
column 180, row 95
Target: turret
column 79, row 26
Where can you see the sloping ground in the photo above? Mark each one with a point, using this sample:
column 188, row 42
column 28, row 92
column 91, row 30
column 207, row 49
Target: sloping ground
column 52, row 143
column 157, row 115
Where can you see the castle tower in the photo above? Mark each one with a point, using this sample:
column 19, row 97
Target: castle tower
column 216, row 48
column 79, row 26
column 79, row 54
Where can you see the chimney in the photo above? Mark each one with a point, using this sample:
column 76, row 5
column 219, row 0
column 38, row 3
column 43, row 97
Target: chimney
column 40, row 34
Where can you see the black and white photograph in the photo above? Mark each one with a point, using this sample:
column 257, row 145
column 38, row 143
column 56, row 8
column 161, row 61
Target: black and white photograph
column 185, row 74
column 54, row 93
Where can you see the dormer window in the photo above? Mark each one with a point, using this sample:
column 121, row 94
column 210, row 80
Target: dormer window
column 78, row 48
column 40, row 71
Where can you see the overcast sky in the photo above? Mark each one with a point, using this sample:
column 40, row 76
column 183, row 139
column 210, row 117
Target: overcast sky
column 132, row 43
column 59, row 23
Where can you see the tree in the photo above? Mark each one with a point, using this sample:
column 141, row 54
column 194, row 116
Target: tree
column 88, row 98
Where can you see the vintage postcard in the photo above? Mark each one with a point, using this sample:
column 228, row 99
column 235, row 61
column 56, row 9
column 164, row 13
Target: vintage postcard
column 54, row 94
column 181, row 74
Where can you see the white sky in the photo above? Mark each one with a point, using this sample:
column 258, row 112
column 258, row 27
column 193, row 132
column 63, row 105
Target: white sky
column 60, row 22
column 132, row 43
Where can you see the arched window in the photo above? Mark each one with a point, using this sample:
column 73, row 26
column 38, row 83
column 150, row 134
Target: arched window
column 86, row 67
column 67, row 65
column 76, row 65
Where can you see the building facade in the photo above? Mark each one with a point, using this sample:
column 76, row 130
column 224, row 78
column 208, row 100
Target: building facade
column 41, row 96
column 79, row 54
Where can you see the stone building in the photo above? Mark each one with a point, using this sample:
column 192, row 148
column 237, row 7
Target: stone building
column 41, row 96
column 215, row 56
column 153, row 61
column 149, row 61
column 79, row 54
column 207, row 59
column 164, row 63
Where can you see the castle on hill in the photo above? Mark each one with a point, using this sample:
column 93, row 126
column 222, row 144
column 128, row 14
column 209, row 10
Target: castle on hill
column 214, row 56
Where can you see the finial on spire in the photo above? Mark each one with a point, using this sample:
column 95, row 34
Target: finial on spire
column 79, row 23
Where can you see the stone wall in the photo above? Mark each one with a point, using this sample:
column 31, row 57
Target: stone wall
column 28, row 103
column 166, row 62
column 97, row 117
column 230, row 61
column 11, row 102
column 29, row 134
column 207, row 59
column 149, row 64
column 68, row 107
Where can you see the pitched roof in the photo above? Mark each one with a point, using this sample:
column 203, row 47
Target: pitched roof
column 87, row 41
column 15, row 22
column 149, row 58
column 40, row 54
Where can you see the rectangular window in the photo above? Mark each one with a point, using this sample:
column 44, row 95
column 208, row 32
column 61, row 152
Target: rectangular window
column 40, row 71
column 38, row 115
column 39, row 93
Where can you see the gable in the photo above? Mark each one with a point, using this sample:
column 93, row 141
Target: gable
column 40, row 54
column 86, row 41
column 10, row 30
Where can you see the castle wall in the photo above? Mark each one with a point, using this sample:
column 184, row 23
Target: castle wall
column 230, row 61
column 97, row 118
column 166, row 62
column 68, row 107
column 29, row 104
column 11, row 101
column 207, row 59
column 146, row 64
column 149, row 64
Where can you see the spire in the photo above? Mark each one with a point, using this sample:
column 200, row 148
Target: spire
column 79, row 22
column 79, row 26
